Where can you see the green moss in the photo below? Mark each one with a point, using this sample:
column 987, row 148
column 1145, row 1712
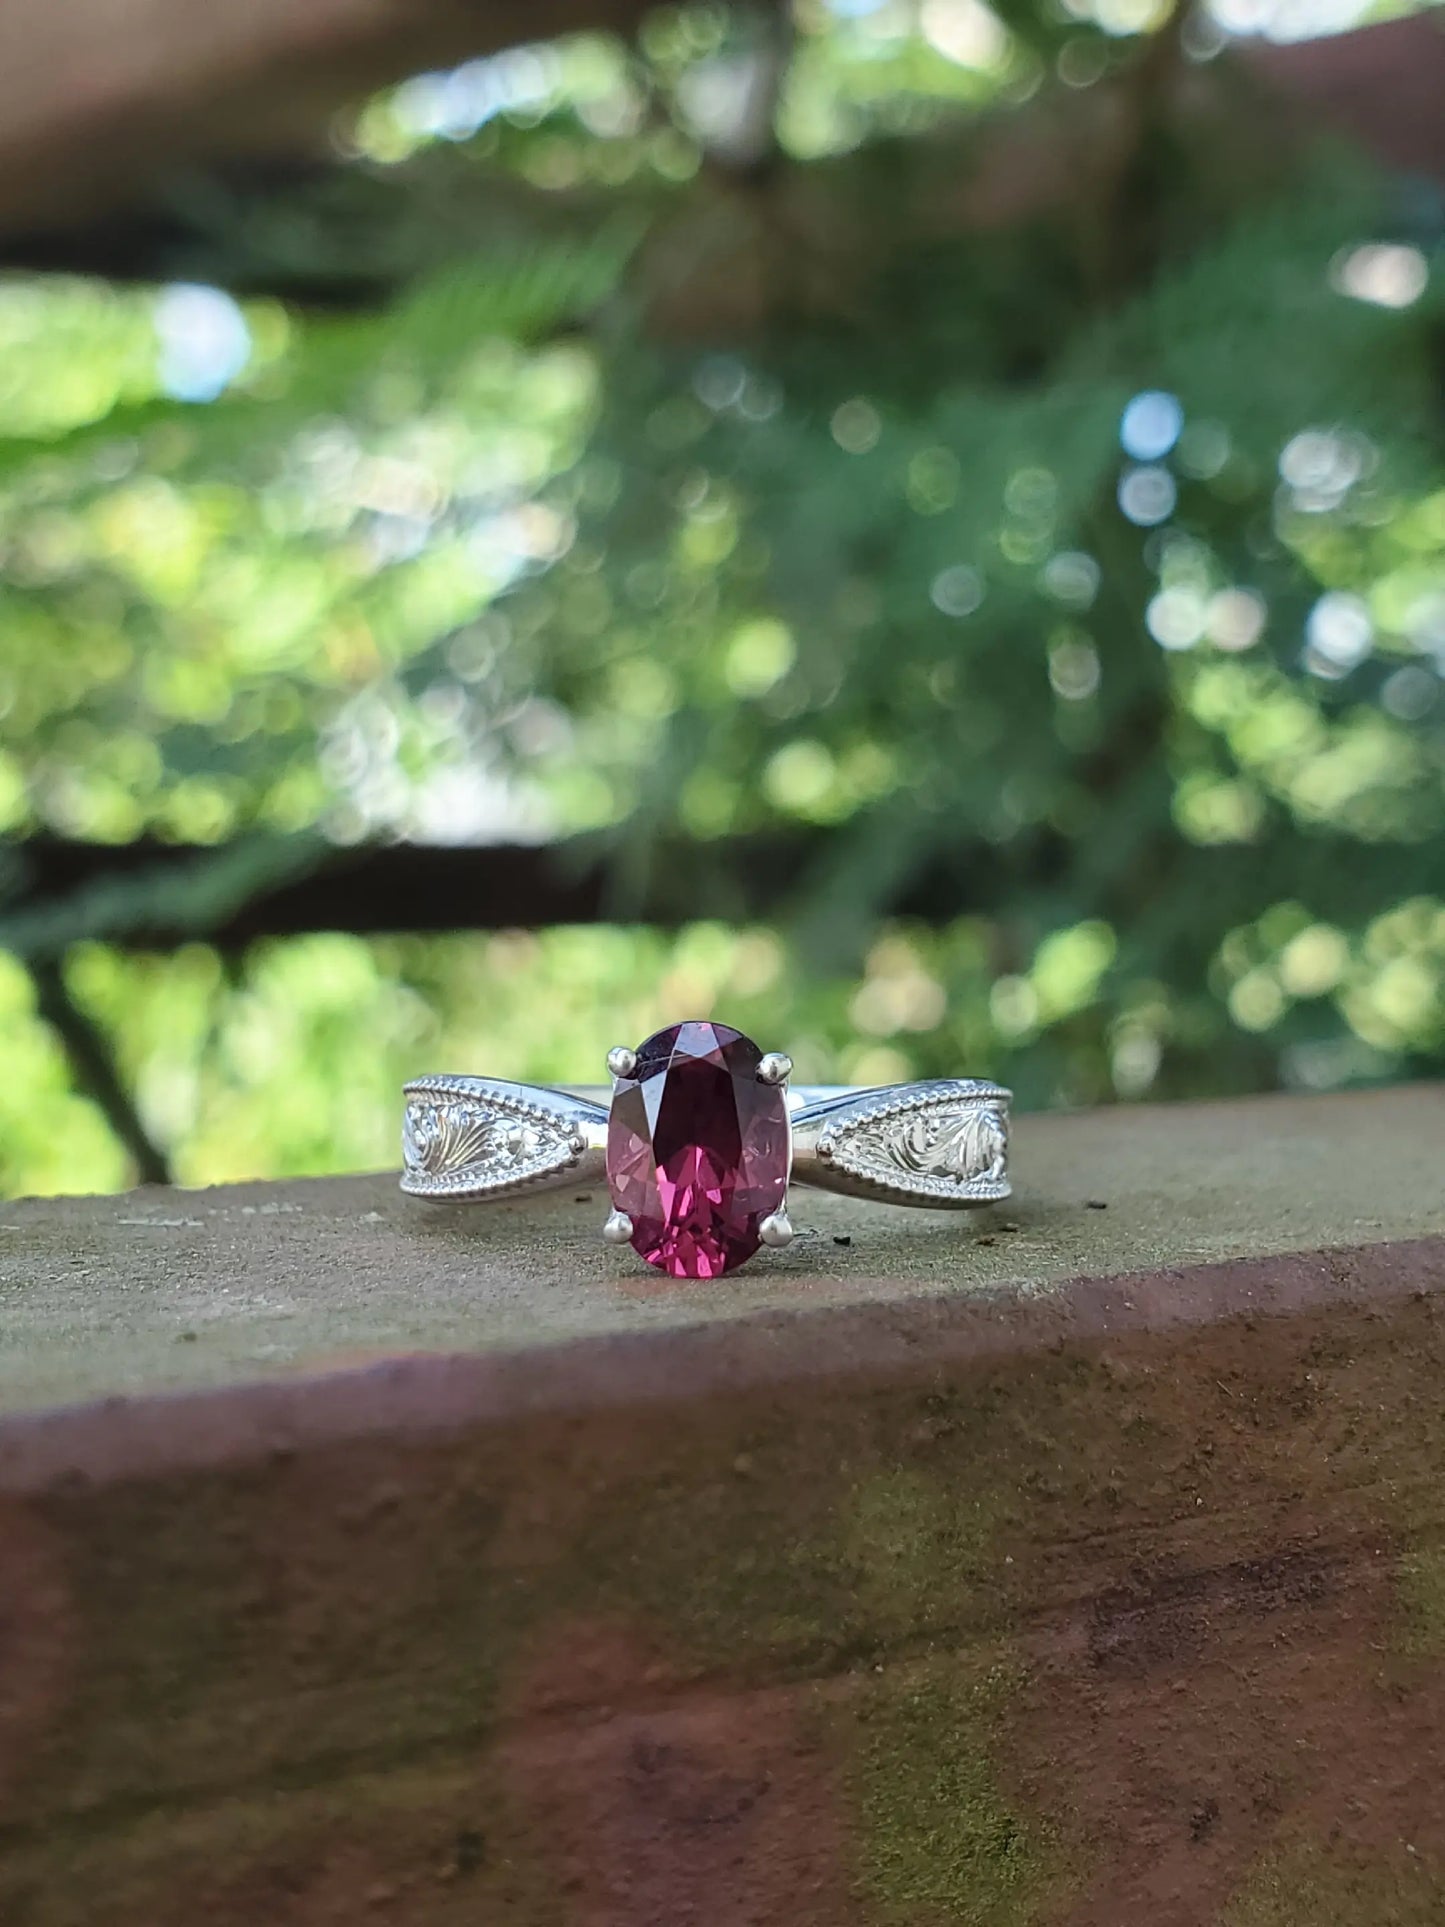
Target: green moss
column 940, row 1842
column 447, row 1842
column 808, row 1548
column 1421, row 1592
column 1316, row 1885
column 925, row 1548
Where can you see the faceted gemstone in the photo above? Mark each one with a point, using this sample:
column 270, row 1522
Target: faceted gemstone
column 697, row 1149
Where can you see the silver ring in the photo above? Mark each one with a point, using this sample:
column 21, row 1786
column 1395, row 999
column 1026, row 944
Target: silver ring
column 698, row 1140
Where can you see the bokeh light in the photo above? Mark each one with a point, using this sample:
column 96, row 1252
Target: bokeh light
column 1151, row 425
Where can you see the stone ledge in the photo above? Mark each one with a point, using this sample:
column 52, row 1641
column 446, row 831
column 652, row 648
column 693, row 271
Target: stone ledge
column 1093, row 1577
column 165, row 1291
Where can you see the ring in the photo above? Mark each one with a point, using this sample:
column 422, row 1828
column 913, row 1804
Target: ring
column 698, row 1141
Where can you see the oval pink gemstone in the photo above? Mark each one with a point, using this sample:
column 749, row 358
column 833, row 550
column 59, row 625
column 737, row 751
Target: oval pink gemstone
column 697, row 1150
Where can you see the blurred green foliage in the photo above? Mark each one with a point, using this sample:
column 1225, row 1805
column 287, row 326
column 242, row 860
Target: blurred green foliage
column 718, row 464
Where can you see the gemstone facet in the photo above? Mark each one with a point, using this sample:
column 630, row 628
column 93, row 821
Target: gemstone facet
column 697, row 1149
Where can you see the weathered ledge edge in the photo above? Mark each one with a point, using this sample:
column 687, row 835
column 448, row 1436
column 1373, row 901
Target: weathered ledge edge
column 431, row 1394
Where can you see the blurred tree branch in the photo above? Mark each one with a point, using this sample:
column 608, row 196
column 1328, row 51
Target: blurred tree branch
column 61, row 893
column 93, row 1066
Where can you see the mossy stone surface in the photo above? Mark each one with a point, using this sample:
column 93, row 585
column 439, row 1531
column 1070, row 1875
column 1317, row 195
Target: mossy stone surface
column 1321, row 1883
column 939, row 1839
column 1094, row 1606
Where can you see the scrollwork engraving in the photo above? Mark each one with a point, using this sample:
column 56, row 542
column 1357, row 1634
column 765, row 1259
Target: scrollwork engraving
column 964, row 1145
column 446, row 1141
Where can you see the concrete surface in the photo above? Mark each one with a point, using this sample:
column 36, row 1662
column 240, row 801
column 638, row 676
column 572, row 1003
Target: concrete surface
column 172, row 1290
column 357, row 1565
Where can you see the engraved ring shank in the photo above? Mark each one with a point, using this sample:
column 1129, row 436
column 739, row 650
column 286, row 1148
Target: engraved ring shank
column 941, row 1144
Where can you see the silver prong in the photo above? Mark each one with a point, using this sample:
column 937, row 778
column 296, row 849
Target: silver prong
column 621, row 1061
column 775, row 1068
column 618, row 1228
column 777, row 1230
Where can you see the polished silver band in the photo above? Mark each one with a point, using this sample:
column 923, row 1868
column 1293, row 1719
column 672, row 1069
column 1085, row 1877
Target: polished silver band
column 942, row 1144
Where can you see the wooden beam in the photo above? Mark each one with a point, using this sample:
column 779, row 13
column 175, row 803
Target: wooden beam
column 1082, row 1563
column 155, row 895
column 149, row 895
column 106, row 105
column 101, row 98
column 1380, row 87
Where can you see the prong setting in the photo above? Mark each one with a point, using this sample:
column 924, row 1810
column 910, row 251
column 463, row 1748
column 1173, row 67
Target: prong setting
column 776, row 1230
column 775, row 1068
column 621, row 1061
column 618, row 1228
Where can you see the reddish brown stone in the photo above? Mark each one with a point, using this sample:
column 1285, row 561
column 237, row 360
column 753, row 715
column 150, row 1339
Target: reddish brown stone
column 1112, row 1598
column 709, row 1807
column 38, row 1626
